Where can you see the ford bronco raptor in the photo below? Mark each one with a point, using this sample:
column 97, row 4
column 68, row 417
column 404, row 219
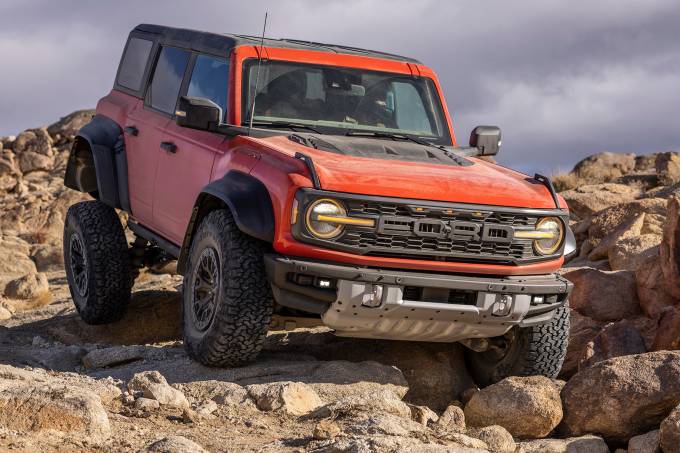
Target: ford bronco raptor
column 295, row 180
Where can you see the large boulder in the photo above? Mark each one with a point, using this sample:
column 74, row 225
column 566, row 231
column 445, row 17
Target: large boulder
column 33, row 149
column 669, row 432
column 36, row 407
column 598, row 245
column 645, row 443
column 528, row 407
column 68, row 126
column 668, row 333
column 602, row 295
column 385, row 401
column 582, row 331
column 584, row 444
column 670, row 248
column 604, row 166
column 651, row 288
column 616, row 339
column 587, row 200
column 629, row 253
column 667, row 167
column 622, row 397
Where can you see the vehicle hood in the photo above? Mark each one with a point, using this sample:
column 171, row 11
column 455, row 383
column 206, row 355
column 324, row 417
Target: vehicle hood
column 402, row 169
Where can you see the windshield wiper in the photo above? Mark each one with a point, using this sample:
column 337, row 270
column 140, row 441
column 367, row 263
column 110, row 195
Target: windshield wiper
column 284, row 125
column 453, row 156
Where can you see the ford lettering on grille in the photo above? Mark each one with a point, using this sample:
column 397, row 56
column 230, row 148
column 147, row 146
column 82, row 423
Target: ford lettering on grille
column 457, row 230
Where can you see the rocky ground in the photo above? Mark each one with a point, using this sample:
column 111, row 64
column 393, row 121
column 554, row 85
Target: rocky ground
column 129, row 386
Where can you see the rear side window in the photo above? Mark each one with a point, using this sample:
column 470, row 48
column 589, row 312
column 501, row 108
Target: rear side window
column 209, row 80
column 134, row 62
column 167, row 79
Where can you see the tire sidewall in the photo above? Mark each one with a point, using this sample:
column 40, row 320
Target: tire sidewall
column 193, row 337
column 72, row 227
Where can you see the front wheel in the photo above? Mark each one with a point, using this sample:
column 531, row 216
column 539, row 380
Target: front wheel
column 227, row 300
column 528, row 351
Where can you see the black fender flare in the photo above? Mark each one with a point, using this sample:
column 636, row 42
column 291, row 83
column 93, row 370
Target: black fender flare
column 107, row 146
column 248, row 200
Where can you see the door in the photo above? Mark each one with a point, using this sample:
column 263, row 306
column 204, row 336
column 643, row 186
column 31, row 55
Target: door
column 185, row 163
column 145, row 127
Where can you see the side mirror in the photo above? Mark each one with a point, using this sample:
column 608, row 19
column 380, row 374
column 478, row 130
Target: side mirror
column 198, row 113
column 487, row 139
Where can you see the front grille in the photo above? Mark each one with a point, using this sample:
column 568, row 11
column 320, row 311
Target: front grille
column 396, row 238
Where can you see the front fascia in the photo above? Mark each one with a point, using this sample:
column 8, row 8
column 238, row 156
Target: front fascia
column 242, row 53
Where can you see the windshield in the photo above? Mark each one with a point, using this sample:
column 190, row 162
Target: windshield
column 344, row 99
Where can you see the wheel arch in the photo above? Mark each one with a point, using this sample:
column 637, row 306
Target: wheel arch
column 248, row 200
column 97, row 162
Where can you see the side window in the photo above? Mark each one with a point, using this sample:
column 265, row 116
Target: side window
column 133, row 63
column 167, row 79
column 209, row 80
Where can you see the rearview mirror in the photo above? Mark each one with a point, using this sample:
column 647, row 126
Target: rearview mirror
column 198, row 113
column 487, row 139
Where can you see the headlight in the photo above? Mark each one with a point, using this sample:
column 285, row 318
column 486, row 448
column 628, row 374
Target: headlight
column 318, row 214
column 552, row 232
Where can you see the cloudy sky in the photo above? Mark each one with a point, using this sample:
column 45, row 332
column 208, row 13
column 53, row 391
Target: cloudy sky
column 563, row 79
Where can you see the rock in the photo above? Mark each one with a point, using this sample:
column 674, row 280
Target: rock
column 582, row 330
column 467, row 441
column 423, row 415
column 206, row 408
column 645, row 162
column 667, row 167
column 587, row 200
column 33, row 149
column 117, row 355
column 645, row 443
column 598, row 247
column 27, row 287
column 48, row 257
column 326, row 429
column 670, row 248
column 668, row 333
column 651, row 288
column 622, row 397
column 451, row 421
column 222, row 393
column 31, row 406
column 629, row 253
column 14, row 263
column 383, row 401
column 386, row 424
column 614, row 340
column 175, row 444
column 153, row 385
column 604, row 296
column 69, row 125
column 604, row 166
column 585, row 444
column 669, row 432
column 383, row 443
column 190, row 416
column 497, row 438
column 528, row 407
column 294, row 398
column 147, row 404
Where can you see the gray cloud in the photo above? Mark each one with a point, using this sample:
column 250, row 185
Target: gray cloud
column 562, row 79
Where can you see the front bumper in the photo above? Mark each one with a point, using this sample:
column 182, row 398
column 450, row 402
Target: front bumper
column 413, row 305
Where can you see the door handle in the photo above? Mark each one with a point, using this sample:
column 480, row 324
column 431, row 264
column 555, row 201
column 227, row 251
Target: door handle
column 169, row 147
column 131, row 130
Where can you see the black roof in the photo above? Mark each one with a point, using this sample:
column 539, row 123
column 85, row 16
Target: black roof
column 223, row 43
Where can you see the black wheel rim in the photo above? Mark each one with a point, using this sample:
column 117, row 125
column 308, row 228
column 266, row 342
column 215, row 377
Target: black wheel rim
column 205, row 291
column 78, row 264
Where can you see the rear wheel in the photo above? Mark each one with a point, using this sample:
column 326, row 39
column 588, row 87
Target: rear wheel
column 528, row 351
column 227, row 301
column 97, row 262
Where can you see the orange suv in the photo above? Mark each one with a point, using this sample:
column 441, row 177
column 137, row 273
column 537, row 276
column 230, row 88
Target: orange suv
column 308, row 180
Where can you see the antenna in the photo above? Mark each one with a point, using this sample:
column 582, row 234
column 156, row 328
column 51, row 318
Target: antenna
column 257, row 75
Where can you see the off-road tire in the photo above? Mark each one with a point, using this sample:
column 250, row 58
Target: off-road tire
column 97, row 262
column 235, row 332
column 537, row 350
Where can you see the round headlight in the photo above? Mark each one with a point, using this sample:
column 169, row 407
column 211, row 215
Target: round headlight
column 554, row 228
column 324, row 207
